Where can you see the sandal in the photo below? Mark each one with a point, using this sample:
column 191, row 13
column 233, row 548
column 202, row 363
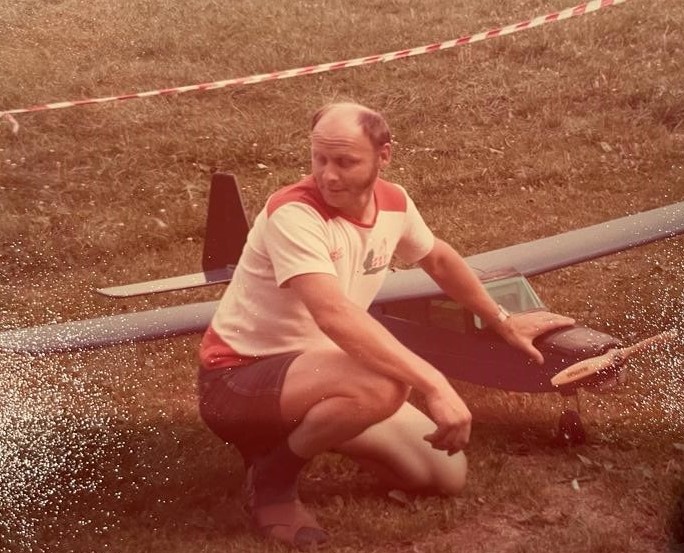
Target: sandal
column 290, row 523
column 287, row 521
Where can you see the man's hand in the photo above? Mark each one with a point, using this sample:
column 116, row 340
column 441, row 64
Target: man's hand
column 521, row 329
column 453, row 420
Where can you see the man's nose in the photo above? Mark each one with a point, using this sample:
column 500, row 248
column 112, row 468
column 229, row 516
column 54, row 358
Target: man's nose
column 330, row 173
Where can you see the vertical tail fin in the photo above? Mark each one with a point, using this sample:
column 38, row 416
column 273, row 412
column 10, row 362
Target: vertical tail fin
column 227, row 225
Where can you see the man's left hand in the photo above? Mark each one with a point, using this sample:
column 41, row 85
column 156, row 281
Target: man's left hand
column 521, row 329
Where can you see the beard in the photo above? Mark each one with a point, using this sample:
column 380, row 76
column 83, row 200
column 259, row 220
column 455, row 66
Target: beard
column 350, row 196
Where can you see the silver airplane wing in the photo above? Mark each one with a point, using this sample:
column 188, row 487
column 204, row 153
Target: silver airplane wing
column 530, row 258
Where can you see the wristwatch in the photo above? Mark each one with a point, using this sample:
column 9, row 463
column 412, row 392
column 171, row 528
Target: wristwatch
column 503, row 313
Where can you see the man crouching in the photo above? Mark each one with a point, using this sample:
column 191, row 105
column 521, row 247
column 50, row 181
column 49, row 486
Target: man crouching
column 293, row 365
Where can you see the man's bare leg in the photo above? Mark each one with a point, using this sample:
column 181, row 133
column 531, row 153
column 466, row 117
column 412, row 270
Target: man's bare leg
column 340, row 406
column 327, row 399
column 331, row 402
column 395, row 450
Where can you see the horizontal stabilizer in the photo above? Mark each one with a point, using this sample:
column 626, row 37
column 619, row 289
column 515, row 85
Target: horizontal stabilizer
column 195, row 280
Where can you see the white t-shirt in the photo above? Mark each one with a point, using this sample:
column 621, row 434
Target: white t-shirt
column 298, row 233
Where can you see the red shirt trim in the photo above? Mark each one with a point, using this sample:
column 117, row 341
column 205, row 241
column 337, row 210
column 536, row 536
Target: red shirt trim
column 388, row 197
column 216, row 354
column 304, row 191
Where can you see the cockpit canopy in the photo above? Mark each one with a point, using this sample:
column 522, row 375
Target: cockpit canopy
column 513, row 292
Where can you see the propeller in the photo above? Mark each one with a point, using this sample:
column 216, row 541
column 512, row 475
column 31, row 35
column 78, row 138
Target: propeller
column 612, row 360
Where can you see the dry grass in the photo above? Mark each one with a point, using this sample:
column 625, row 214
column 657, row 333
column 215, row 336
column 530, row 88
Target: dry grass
column 504, row 141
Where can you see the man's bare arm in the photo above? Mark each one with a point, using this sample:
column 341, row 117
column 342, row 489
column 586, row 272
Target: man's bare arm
column 363, row 338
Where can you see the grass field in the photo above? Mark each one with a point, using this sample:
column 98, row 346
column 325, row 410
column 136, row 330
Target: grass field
column 500, row 142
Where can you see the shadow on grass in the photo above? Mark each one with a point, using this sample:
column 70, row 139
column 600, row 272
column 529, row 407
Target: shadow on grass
column 114, row 477
column 676, row 522
column 164, row 482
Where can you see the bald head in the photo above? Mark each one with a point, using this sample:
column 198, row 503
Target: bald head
column 371, row 123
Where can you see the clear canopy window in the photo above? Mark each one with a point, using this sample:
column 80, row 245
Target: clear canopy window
column 514, row 293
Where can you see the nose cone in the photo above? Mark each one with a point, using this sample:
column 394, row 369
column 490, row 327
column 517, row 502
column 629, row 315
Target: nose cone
column 577, row 341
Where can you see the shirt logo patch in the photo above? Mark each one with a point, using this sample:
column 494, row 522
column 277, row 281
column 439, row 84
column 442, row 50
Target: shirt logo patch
column 374, row 263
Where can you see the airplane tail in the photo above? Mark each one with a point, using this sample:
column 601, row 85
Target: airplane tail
column 227, row 225
column 225, row 236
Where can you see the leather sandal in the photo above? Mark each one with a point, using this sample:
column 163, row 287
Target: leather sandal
column 290, row 523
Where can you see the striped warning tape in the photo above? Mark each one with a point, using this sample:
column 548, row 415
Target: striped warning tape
column 581, row 9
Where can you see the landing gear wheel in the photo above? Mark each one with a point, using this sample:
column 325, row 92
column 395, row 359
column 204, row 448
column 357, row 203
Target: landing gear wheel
column 570, row 429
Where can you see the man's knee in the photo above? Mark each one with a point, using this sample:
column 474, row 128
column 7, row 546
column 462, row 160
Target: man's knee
column 383, row 396
column 452, row 481
column 438, row 475
column 443, row 475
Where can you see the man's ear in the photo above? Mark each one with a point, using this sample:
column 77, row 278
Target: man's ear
column 385, row 155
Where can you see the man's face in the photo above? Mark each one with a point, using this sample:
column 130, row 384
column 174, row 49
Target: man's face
column 345, row 165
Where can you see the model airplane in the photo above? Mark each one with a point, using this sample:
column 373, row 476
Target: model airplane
column 411, row 306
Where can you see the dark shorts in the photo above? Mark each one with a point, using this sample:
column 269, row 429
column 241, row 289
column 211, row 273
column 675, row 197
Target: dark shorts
column 241, row 405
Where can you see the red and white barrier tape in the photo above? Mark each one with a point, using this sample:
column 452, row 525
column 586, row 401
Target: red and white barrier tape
column 581, row 9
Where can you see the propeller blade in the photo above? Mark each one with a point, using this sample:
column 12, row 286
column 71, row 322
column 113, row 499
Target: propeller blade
column 587, row 367
column 661, row 338
column 613, row 358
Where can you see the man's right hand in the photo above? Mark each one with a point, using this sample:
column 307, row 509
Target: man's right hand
column 453, row 420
